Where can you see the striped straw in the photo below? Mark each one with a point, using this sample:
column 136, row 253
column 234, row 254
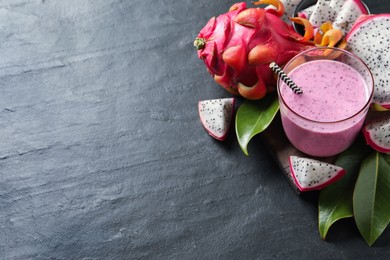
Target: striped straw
column 275, row 68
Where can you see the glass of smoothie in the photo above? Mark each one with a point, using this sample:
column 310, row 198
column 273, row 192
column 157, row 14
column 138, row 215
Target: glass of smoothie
column 337, row 91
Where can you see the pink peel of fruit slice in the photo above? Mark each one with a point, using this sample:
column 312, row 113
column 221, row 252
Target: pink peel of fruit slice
column 310, row 174
column 216, row 116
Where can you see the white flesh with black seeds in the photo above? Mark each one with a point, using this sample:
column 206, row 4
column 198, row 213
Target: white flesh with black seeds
column 216, row 116
column 370, row 40
column 310, row 174
column 322, row 13
column 349, row 13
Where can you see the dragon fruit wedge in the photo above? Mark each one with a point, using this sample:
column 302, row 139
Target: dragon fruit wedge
column 377, row 134
column 238, row 46
column 310, row 174
column 369, row 38
column 216, row 116
column 350, row 11
column 322, row 12
column 341, row 13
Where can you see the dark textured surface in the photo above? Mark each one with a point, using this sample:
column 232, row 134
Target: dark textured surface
column 102, row 155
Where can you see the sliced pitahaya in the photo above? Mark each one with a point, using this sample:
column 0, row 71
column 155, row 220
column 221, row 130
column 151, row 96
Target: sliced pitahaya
column 369, row 38
column 377, row 134
column 349, row 13
column 342, row 13
column 216, row 116
column 322, row 13
column 310, row 174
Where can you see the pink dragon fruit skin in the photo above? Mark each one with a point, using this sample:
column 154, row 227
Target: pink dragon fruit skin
column 238, row 46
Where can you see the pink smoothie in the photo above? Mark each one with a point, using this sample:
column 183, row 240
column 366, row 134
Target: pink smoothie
column 326, row 118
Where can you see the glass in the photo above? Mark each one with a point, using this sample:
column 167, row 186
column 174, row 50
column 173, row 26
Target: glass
column 337, row 91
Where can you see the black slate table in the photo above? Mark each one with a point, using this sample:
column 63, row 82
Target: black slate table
column 102, row 155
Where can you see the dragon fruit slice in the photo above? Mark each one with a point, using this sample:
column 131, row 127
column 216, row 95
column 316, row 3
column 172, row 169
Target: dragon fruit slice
column 369, row 38
column 310, row 174
column 216, row 116
column 350, row 11
column 377, row 135
column 238, row 46
column 342, row 13
column 322, row 13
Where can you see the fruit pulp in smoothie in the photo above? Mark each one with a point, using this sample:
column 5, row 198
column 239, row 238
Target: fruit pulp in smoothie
column 326, row 118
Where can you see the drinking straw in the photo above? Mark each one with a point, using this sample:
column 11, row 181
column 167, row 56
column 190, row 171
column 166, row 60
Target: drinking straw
column 281, row 74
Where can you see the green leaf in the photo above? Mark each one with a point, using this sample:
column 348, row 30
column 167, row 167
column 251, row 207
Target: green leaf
column 371, row 197
column 253, row 117
column 335, row 201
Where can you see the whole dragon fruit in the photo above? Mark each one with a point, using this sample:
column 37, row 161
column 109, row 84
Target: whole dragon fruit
column 238, row 46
